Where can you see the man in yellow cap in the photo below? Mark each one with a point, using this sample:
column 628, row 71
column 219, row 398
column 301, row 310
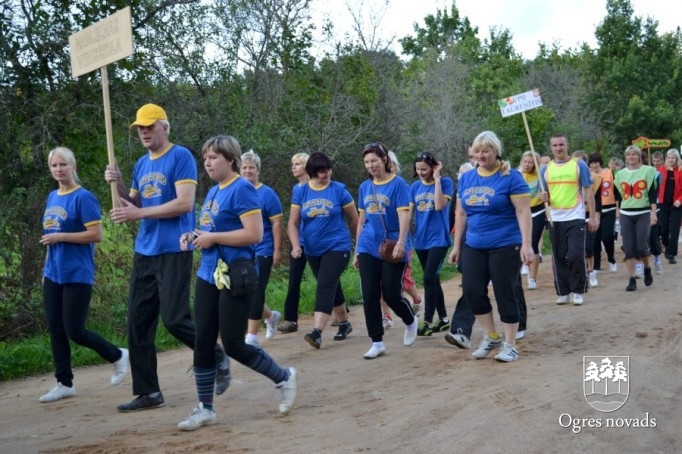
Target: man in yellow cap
column 162, row 199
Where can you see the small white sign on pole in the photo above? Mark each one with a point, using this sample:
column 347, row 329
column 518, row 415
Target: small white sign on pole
column 520, row 103
column 103, row 42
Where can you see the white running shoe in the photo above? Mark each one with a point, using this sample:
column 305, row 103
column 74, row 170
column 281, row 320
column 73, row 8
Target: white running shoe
column 577, row 299
column 613, row 267
column 486, row 346
column 287, row 392
column 410, row 334
column 658, row 267
column 520, row 334
column 377, row 349
column 532, row 284
column 120, row 368
column 563, row 299
column 458, row 339
column 271, row 327
column 525, row 270
column 593, row 280
column 199, row 417
column 58, row 392
column 508, row 353
column 251, row 341
column 639, row 270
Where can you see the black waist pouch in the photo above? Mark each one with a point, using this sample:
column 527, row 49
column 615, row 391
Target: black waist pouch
column 243, row 278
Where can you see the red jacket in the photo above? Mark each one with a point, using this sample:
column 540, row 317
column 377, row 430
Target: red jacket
column 677, row 195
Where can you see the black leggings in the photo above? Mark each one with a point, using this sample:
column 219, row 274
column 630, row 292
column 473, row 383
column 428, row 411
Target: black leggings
column 431, row 261
column 328, row 269
column 502, row 266
column 66, row 309
column 264, row 269
column 376, row 278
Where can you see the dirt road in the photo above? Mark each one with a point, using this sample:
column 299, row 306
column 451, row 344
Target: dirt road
column 430, row 397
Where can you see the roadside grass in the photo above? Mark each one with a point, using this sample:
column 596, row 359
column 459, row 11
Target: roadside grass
column 33, row 356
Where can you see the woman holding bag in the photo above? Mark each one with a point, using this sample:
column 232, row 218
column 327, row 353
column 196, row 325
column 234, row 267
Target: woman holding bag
column 230, row 224
column 383, row 203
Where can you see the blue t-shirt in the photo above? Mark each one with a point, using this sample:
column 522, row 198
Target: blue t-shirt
column 487, row 201
column 391, row 196
column 431, row 227
column 154, row 179
column 74, row 211
column 222, row 212
column 322, row 221
column 271, row 209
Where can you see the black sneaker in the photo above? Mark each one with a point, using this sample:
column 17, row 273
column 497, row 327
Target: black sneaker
column 142, row 402
column 648, row 278
column 314, row 338
column 344, row 330
column 424, row 329
column 632, row 285
column 222, row 372
column 440, row 326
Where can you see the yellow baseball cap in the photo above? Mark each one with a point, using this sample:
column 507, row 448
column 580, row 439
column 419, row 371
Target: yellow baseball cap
column 148, row 114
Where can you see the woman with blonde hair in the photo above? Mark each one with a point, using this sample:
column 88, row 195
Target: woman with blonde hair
column 531, row 175
column 493, row 202
column 72, row 224
column 637, row 193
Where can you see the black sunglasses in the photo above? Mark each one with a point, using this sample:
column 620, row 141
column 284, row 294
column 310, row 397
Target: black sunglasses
column 376, row 146
column 426, row 157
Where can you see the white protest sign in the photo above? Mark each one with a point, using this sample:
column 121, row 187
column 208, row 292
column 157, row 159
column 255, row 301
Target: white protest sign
column 520, row 103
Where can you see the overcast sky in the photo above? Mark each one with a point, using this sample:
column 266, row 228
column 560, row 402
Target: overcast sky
column 568, row 22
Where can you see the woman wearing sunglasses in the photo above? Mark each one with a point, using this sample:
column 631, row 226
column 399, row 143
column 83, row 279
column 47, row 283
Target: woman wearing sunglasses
column 383, row 202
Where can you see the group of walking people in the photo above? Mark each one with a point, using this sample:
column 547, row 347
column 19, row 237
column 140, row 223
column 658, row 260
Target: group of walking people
column 499, row 217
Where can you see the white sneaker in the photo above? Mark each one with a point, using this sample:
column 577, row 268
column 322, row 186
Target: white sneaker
column 532, row 284
column 613, row 267
column 486, row 346
column 410, row 334
column 271, row 327
column 377, row 349
column 563, row 299
column 639, row 270
column 520, row 334
column 120, row 368
column 508, row 353
column 577, row 299
column 593, row 280
column 251, row 341
column 387, row 321
column 525, row 270
column 287, row 392
column 58, row 392
column 199, row 417
column 458, row 339
column 658, row 267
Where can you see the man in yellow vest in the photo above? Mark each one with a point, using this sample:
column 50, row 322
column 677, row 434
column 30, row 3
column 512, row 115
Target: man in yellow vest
column 568, row 184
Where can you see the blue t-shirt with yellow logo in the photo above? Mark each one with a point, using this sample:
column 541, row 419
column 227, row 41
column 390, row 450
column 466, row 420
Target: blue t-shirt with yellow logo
column 487, row 200
column 73, row 211
column 222, row 211
column 155, row 179
column 391, row 196
column 322, row 224
column 271, row 210
column 431, row 227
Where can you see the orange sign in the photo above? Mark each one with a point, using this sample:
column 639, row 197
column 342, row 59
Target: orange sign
column 643, row 142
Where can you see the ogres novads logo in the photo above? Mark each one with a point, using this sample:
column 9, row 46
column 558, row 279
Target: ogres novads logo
column 606, row 383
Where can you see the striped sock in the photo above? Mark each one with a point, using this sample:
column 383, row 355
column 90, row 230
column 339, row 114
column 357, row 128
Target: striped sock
column 204, row 377
column 262, row 363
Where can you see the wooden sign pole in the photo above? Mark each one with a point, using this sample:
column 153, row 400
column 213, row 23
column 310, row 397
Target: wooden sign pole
column 110, row 135
column 537, row 164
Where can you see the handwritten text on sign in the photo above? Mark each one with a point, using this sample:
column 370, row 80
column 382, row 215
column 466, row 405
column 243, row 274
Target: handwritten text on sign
column 104, row 42
column 520, row 103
